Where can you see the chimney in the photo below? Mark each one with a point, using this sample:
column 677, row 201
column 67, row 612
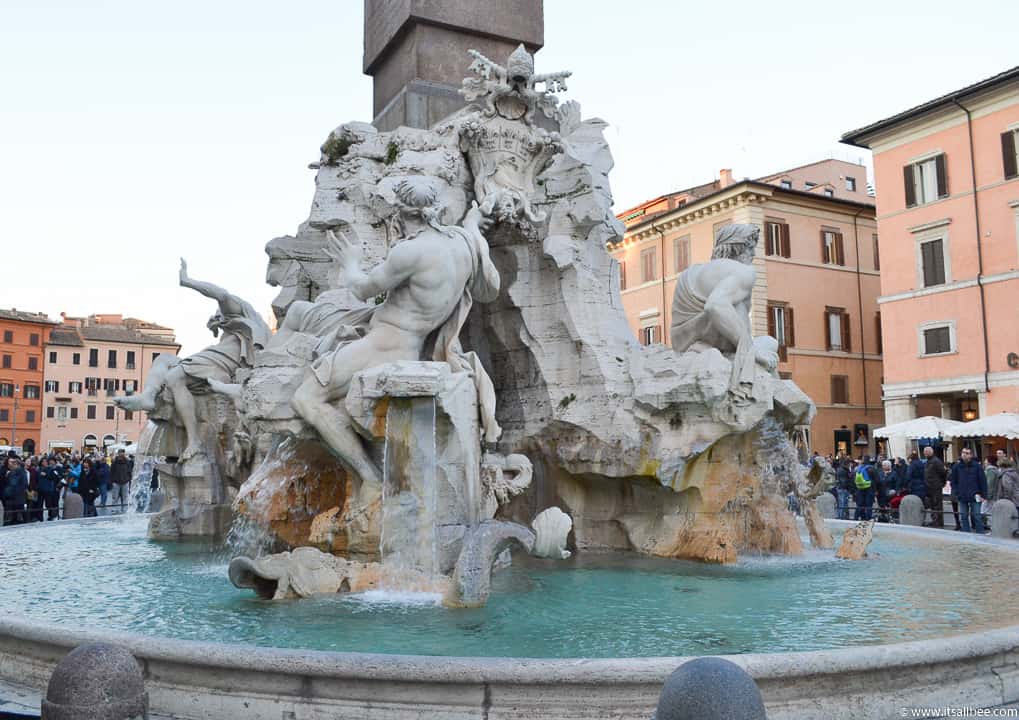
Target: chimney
column 725, row 177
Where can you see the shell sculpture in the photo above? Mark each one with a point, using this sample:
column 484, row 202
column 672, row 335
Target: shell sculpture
column 551, row 528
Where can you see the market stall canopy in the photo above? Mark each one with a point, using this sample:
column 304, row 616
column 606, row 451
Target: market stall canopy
column 929, row 426
column 1004, row 425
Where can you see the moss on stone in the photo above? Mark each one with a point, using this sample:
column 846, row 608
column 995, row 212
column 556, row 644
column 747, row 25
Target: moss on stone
column 334, row 148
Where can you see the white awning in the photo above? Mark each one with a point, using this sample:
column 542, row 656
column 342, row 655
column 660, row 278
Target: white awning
column 61, row 444
column 1004, row 425
column 929, row 426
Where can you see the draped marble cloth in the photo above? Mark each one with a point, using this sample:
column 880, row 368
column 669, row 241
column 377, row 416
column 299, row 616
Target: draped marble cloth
column 691, row 324
column 243, row 335
column 443, row 343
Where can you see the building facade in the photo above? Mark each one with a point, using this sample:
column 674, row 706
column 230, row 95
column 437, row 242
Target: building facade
column 88, row 362
column 23, row 335
column 948, row 216
column 818, row 280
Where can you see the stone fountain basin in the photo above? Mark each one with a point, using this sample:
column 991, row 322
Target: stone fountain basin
column 198, row 680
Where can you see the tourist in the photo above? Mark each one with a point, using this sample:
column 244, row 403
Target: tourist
column 935, row 475
column 15, row 491
column 102, row 470
column 969, row 485
column 885, row 489
column 120, row 475
column 901, row 474
column 88, row 486
column 1008, row 479
column 34, row 500
column 844, row 488
column 991, row 473
column 865, row 480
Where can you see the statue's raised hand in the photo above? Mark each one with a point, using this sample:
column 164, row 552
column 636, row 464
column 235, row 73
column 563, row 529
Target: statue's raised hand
column 183, row 271
column 345, row 253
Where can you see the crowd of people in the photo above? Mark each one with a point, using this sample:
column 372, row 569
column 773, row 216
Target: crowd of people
column 34, row 487
column 970, row 486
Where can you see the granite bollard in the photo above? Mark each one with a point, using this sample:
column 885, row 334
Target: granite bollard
column 911, row 511
column 710, row 688
column 96, row 681
column 1003, row 522
column 74, row 505
column 826, row 505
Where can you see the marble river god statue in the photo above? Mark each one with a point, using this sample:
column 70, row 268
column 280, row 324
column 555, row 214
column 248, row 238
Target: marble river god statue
column 453, row 377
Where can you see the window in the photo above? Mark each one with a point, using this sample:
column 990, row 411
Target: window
column 129, row 362
column 51, row 412
column 776, row 238
column 880, row 340
column 93, row 357
column 5, row 415
column 6, row 389
column 1010, row 153
column 33, row 363
column 51, row 386
column 850, row 184
column 782, row 375
column 786, row 184
column 111, row 412
column 53, row 357
column 809, row 185
column 877, row 253
column 8, row 336
column 836, row 329
column 62, row 413
column 932, row 262
column 925, row 181
column 154, row 356
column 937, row 340
column 129, row 415
column 30, row 416
column 74, row 387
column 90, row 412
column 130, row 386
column 111, row 359
column 780, row 327
column 622, row 285
column 828, row 192
column 74, row 413
column 840, row 389
column 681, row 252
column 31, row 392
column 649, row 264
column 7, row 361
column 76, row 359
column 33, row 339
column 650, row 335
column 832, row 252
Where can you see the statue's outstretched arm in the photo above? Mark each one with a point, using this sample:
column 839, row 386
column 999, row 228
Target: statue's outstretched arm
column 228, row 304
column 403, row 260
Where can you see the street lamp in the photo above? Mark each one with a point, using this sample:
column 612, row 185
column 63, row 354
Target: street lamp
column 14, row 424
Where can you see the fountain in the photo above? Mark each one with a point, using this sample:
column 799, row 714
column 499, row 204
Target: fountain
column 454, row 446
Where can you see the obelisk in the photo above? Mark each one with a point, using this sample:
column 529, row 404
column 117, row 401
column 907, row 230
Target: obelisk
column 416, row 51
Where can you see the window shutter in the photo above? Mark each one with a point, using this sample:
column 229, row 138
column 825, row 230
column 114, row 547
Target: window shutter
column 840, row 256
column 784, row 239
column 771, row 322
column 622, row 275
column 1008, row 154
column 769, row 245
column 847, row 343
column 827, row 330
column 824, row 250
column 942, row 166
column 880, row 340
column 907, row 178
column 790, row 333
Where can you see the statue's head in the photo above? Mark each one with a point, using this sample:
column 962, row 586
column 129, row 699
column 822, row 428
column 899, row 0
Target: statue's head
column 215, row 322
column 737, row 241
column 520, row 66
column 417, row 197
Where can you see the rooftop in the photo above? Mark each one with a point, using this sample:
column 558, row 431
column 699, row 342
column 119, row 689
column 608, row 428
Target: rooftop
column 28, row 317
column 70, row 335
column 856, row 137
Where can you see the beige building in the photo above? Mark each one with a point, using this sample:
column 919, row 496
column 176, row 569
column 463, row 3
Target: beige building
column 818, row 281
column 88, row 362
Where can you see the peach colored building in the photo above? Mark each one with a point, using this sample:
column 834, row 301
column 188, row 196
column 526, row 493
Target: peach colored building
column 950, row 256
column 89, row 361
column 817, row 281
column 22, row 337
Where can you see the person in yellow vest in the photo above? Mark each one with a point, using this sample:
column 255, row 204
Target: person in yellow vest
column 866, row 482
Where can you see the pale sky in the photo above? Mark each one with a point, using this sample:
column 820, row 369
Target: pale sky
column 133, row 131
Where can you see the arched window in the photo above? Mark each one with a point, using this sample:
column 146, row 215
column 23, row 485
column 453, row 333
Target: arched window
column 90, row 441
column 109, row 440
column 4, row 441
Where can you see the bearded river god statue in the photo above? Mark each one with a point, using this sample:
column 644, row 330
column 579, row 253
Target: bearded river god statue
column 453, row 361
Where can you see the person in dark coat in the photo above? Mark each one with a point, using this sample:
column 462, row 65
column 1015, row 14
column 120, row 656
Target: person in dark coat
column 915, row 484
column 935, row 475
column 15, row 492
column 88, row 486
column 120, row 474
column 885, row 489
column 969, row 485
column 844, row 487
column 50, row 477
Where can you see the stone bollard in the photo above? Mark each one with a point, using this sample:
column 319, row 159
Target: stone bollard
column 1002, row 523
column 96, row 681
column 2, row 516
column 74, row 505
column 911, row 511
column 825, row 503
column 710, row 688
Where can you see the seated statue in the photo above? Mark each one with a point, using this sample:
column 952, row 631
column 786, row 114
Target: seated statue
column 711, row 307
column 430, row 279
column 244, row 331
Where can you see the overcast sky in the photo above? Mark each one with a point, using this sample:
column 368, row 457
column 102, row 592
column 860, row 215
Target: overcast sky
column 133, row 131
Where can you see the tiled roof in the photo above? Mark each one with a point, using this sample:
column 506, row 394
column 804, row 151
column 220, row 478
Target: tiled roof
column 65, row 335
column 22, row 316
column 120, row 334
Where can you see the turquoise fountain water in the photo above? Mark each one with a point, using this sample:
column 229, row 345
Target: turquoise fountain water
column 108, row 575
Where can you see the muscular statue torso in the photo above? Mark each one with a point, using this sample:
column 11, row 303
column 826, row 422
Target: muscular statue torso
column 720, row 284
